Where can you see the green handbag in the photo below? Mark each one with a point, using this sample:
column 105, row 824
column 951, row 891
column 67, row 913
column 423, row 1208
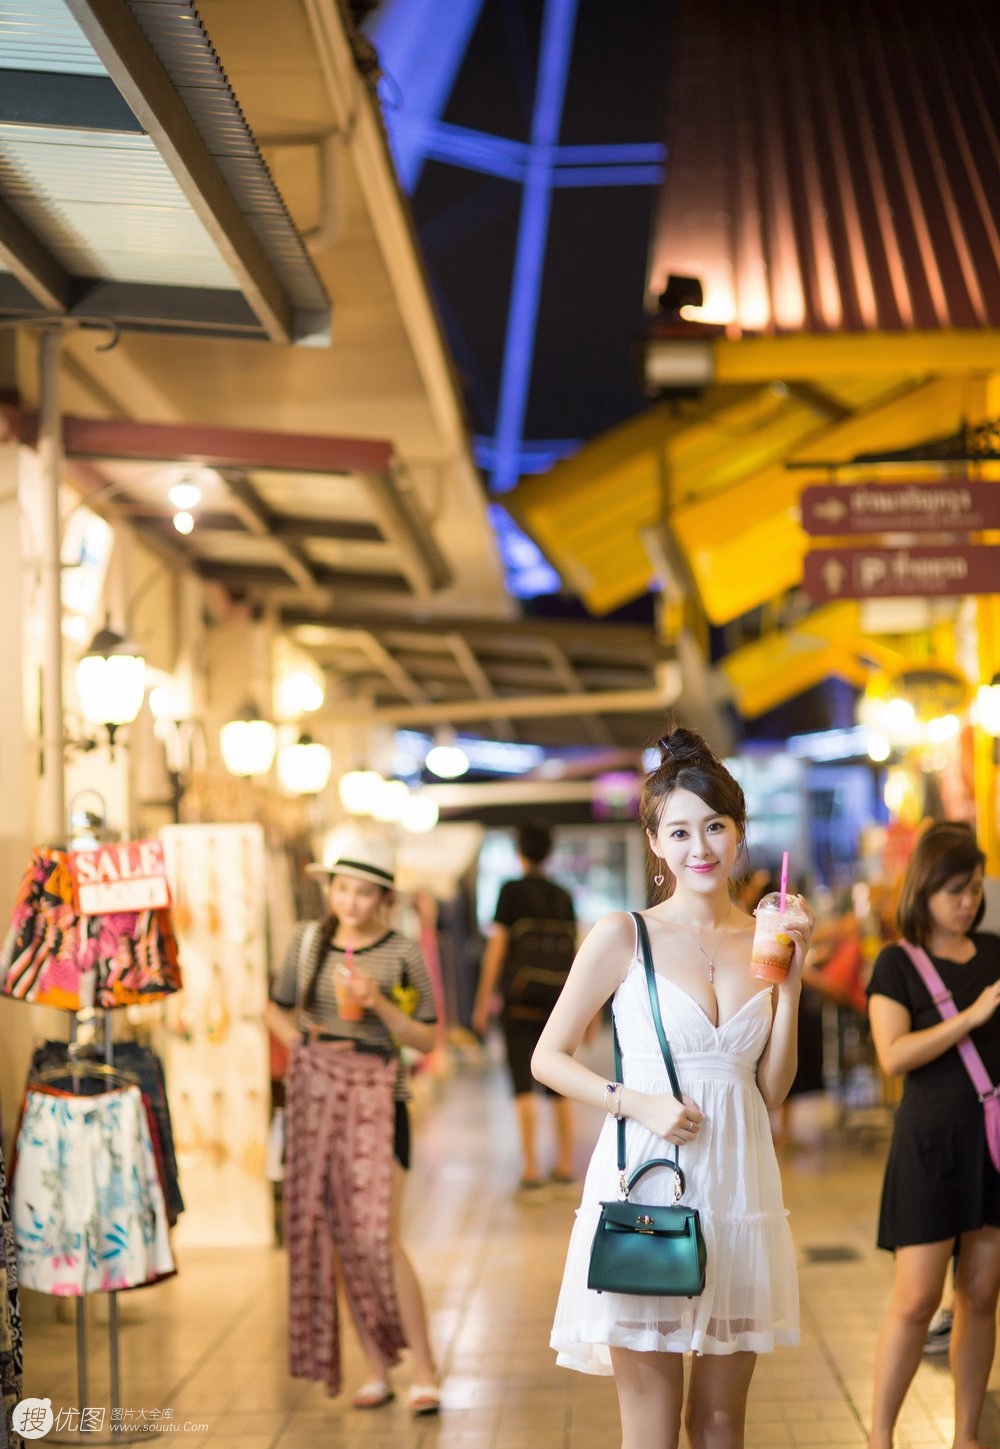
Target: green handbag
column 642, row 1247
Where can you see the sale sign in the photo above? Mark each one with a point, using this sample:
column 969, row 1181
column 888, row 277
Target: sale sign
column 127, row 877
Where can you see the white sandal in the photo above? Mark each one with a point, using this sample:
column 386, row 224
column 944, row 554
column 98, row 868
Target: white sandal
column 373, row 1394
column 423, row 1399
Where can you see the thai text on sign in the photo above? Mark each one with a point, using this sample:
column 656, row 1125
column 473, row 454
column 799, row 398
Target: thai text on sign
column 126, row 877
column 944, row 506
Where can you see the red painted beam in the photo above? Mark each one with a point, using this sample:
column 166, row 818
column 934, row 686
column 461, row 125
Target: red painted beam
column 213, row 447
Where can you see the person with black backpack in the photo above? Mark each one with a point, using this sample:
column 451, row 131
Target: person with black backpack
column 527, row 960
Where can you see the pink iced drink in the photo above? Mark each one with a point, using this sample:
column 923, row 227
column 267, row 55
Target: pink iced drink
column 349, row 1008
column 772, row 945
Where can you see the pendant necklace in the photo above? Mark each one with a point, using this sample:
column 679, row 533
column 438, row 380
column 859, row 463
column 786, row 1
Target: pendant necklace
column 718, row 946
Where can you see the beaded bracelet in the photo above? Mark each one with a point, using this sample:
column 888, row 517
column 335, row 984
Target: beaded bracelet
column 613, row 1100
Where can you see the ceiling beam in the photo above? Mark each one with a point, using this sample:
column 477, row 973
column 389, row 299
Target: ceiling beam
column 501, row 725
column 251, row 510
column 296, row 529
column 220, row 312
column 813, row 358
column 402, row 521
column 391, row 668
column 534, row 706
column 332, row 584
column 136, row 69
column 616, row 642
column 568, row 677
column 31, row 263
column 215, row 447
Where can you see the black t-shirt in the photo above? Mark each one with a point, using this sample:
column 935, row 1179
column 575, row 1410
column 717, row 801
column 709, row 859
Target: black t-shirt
column 894, row 975
column 535, row 897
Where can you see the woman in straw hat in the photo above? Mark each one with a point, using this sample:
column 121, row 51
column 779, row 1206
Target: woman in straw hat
column 350, row 993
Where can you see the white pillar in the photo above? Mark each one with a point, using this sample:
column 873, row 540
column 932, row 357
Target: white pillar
column 18, row 770
column 52, row 786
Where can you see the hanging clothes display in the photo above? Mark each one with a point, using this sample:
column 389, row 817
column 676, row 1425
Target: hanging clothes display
column 88, row 1209
column 10, row 1317
column 144, row 1067
column 338, row 1186
column 50, row 946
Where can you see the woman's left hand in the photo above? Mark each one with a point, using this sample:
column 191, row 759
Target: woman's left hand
column 365, row 990
column 800, row 935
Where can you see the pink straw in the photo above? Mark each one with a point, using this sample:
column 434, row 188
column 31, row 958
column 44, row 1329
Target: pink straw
column 784, row 877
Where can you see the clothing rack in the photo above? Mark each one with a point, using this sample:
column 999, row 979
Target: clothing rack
column 76, row 1436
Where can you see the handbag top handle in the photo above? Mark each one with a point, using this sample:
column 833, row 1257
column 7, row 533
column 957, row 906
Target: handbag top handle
column 668, row 1062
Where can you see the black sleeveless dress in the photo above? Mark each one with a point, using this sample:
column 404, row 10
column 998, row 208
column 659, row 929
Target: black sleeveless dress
column 939, row 1179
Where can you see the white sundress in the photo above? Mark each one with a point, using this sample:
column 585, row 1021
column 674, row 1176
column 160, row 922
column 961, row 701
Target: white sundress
column 750, row 1301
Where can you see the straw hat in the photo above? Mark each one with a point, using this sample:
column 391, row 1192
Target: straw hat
column 361, row 859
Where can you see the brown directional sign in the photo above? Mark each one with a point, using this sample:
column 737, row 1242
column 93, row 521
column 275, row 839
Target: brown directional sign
column 879, row 573
column 942, row 506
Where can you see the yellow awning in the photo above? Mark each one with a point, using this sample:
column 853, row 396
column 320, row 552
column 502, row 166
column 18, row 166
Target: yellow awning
column 765, row 673
column 716, row 475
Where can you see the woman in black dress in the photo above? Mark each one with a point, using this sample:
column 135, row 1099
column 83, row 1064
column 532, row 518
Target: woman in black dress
column 941, row 1195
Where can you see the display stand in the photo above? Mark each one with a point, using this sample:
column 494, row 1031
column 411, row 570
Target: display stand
column 77, row 1436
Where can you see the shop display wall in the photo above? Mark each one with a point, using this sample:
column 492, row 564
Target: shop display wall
column 215, row 1044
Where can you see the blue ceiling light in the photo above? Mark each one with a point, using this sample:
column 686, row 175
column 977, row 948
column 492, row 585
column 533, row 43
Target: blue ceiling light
column 558, row 24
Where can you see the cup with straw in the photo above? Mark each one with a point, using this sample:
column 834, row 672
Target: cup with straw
column 772, row 945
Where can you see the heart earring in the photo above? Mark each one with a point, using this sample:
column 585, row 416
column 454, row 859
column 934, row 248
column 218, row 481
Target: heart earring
column 658, row 877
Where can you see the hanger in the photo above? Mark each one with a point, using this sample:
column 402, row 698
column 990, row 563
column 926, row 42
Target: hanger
column 79, row 1070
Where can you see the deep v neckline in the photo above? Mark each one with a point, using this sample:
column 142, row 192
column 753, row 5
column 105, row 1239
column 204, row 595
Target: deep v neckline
column 698, row 1006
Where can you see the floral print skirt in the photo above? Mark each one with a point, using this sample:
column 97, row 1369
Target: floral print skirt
column 87, row 1203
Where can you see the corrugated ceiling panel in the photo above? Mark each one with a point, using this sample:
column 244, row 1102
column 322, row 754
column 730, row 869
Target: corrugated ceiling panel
column 174, row 29
column 108, row 207
column 42, row 35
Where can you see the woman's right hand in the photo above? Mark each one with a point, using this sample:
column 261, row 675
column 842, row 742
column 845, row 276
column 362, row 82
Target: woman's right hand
column 676, row 1122
column 985, row 1004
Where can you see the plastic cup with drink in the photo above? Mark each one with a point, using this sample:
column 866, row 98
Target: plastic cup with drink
column 771, row 955
column 349, row 1008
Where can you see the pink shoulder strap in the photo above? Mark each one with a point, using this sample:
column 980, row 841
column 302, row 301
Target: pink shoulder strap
column 945, row 1003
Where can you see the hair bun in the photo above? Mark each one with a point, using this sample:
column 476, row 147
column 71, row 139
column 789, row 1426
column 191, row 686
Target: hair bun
column 681, row 747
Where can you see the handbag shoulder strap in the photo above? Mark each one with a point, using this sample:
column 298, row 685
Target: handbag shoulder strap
column 654, row 1005
column 668, row 1061
column 945, row 1003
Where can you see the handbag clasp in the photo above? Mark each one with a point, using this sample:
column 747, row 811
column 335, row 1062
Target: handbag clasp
column 644, row 1224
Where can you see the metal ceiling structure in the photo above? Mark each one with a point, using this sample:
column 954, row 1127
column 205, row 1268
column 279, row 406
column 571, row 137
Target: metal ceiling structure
column 131, row 187
column 550, row 682
column 280, row 517
column 324, row 532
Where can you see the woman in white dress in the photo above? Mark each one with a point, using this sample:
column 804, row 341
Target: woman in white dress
column 733, row 1042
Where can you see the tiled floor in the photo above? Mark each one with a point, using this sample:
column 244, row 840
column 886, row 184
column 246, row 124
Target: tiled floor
column 210, row 1344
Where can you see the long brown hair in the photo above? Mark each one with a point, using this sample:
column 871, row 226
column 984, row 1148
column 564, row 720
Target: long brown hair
column 943, row 852
column 687, row 763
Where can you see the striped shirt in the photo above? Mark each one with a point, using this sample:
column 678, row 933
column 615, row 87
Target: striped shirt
column 392, row 961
